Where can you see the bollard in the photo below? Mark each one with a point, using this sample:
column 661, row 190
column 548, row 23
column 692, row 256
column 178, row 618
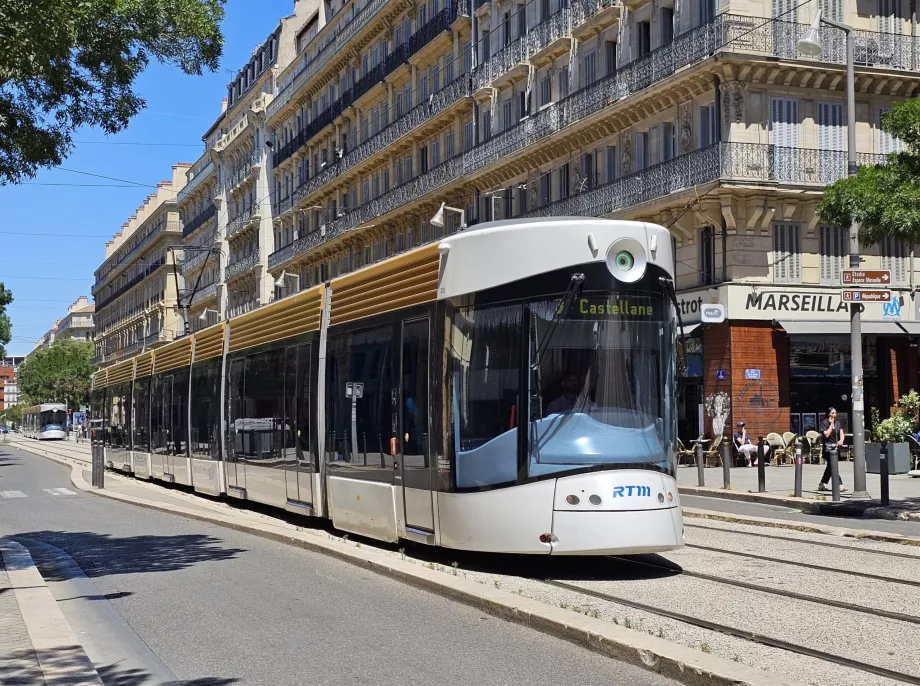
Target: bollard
column 701, row 477
column 761, row 468
column 726, row 465
column 835, row 474
column 798, row 466
column 883, row 472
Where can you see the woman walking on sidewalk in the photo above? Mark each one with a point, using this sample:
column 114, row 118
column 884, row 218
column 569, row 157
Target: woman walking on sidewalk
column 832, row 436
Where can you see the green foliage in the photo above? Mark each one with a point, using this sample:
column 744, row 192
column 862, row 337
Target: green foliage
column 12, row 415
column 71, row 63
column 6, row 327
column 59, row 373
column 884, row 199
column 900, row 424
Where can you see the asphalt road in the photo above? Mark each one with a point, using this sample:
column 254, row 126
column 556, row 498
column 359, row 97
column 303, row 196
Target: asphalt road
column 159, row 599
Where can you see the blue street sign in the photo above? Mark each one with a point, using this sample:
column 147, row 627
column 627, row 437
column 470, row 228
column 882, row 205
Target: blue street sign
column 752, row 374
column 720, row 375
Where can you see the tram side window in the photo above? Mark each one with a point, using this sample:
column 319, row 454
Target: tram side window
column 205, row 428
column 364, row 357
column 235, row 396
column 179, row 405
column 119, row 404
column 141, row 414
column 264, row 405
column 159, row 413
column 485, row 349
column 97, row 408
column 297, row 390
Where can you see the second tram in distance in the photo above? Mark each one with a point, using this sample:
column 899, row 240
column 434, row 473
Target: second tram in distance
column 46, row 422
column 510, row 389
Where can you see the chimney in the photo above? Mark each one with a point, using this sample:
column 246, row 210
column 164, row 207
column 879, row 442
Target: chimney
column 223, row 106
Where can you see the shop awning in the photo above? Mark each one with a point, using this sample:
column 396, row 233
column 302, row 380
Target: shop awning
column 690, row 328
column 815, row 328
column 881, row 328
column 913, row 328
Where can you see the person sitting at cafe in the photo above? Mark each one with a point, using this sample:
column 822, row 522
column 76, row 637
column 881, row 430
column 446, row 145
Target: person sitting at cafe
column 744, row 445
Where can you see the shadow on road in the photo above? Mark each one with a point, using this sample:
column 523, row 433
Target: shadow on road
column 104, row 555
column 21, row 668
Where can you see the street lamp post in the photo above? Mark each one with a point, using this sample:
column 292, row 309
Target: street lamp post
column 810, row 44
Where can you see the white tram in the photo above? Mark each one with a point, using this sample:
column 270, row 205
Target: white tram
column 46, row 422
column 511, row 389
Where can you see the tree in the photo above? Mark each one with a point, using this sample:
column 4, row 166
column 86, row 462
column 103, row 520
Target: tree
column 6, row 327
column 885, row 198
column 12, row 415
column 59, row 373
column 71, row 63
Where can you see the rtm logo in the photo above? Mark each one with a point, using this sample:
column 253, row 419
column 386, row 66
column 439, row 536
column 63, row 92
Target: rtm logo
column 639, row 491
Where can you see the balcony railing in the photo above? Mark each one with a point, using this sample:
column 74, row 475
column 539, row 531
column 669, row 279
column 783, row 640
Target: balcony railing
column 124, row 288
column 195, row 258
column 204, row 293
column 432, row 29
column 242, row 173
column 740, row 162
column 239, row 221
column 452, row 93
column 520, row 50
column 244, row 264
column 332, row 47
column 170, row 226
column 582, row 10
column 195, row 181
column 282, row 255
column 199, row 220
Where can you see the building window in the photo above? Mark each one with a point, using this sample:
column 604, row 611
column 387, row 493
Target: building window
column 667, row 26
column 612, row 164
column 643, row 38
column 886, row 142
column 545, row 189
column 894, row 258
column 590, row 68
column 468, row 136
column 668, row 141
column 833, row 253
column 787, row 258
column 642, row 150
column 707, row 256
column 563, row 82
column 707, row 133
column 546, row 91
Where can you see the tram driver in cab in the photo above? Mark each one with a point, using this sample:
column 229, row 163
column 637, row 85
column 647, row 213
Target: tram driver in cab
column 568, row 399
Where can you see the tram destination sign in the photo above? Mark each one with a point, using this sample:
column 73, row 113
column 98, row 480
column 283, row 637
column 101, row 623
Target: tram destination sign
column 865, row 295
column 865, row 277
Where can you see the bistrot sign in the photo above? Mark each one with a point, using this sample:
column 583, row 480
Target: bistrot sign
column 865, row 277
column 862, row 295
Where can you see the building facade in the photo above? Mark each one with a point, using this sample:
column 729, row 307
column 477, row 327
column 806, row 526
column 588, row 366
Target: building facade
column 9, row 387
column 355, row 121
column 137, row 287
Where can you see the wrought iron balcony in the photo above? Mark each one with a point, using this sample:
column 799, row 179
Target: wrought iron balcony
column 242, row 265
column 240, row 174
column 128, row 285
column 582, row 10
column 281, row 256
column 204, row 293
column 739, row 162
column 195, row 181
column 208, row 213
column 332, row 47
column 368, row 81
column 196, row 258
column 239, row 221
column 432, row 29
column 520, row 50
column 452, row 93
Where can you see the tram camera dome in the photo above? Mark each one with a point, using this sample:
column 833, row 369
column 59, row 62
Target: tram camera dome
column 626, row 260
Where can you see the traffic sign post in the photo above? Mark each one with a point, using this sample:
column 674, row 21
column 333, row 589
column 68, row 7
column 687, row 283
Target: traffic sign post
column 864, row 295
column 865, row 277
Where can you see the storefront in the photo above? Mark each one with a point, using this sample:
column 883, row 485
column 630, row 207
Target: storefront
column 783, row 357
column 690, row 405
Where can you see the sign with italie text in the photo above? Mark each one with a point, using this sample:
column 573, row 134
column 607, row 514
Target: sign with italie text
column 865, row 277
column 863, row 295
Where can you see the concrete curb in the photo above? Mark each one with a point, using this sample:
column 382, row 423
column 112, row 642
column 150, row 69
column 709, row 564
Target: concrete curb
column 817, row 507
column 60, row 655
column 805, row 527
column 674, row 661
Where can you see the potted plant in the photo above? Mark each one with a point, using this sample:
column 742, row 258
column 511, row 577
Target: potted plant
column 893, row 431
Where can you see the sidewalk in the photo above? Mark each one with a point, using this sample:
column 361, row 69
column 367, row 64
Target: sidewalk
column 780, row 483
column 37, row 645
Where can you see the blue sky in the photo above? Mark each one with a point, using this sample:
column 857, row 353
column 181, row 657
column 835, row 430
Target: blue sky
column 48, row 272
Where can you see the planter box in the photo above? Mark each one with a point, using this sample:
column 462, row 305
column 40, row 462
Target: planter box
column 898, row 458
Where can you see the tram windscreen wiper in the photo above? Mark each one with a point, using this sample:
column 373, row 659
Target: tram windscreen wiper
column 576, row 283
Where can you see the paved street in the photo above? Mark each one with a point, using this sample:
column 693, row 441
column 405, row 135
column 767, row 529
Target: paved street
column 173, row 600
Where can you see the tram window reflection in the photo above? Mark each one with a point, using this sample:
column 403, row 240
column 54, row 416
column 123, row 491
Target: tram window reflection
column 485, row 349
column 141, row 415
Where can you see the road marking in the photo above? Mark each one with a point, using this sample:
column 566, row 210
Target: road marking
column 59, row 491
column 12, row 494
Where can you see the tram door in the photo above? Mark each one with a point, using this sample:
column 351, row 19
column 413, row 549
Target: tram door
column 298, row 453
column 414, row 418
column 236, row 474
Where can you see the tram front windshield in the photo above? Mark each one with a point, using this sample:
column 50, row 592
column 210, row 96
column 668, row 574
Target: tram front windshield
column 600, row 386
column 52, row 420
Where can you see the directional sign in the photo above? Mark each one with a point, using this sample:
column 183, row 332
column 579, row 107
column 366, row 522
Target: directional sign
column 861, row 295
column 865, row 277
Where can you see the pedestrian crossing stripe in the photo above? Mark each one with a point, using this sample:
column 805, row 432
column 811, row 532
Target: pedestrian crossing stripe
column 12, row 494
column 59, row 491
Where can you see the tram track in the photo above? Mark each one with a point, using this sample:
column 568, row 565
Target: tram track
column 753, row 637
column 809, row 542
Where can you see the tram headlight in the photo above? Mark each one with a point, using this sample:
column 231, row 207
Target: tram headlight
column 626, row 260
column 572, row 499
column 595, row 500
